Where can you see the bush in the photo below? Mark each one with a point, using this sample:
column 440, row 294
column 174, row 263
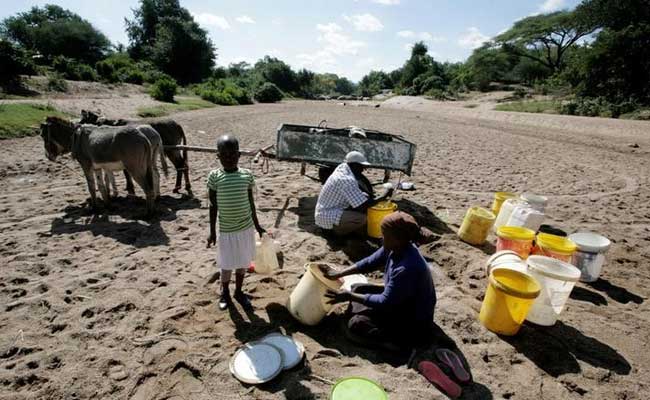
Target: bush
column 56, row 83
column 72, row 70
column 164, row 89
column 598, row 107
column 119, row 67
column 268, row 93
column 223, row 91
column 13, row 63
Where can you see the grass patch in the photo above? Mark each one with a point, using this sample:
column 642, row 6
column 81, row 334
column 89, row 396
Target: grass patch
column 181, row 104
column 23, row 119
column 532, row 106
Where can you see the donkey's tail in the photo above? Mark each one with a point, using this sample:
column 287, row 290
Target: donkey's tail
column 163, row 161
column 185, row 163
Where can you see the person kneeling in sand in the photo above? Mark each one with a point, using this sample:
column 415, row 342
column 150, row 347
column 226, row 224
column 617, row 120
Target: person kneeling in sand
column 231, row 197
column 342, row 204
column 401, row 312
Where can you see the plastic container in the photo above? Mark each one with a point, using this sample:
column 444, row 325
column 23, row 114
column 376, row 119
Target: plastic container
column 526, row 216
column 557, row 279
column 536, row 201
column 266, row 259
column 508, row 297
column 376, row 214
column 307, row 303
column 590, row 256
column 515, row 238
column 557, row 247
column 507, row 259
column 476, row 225
column 357, row 389
column 506, row 210
column 499, row 198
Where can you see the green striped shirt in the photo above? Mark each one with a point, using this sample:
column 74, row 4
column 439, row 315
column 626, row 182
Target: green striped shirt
column 232, row 198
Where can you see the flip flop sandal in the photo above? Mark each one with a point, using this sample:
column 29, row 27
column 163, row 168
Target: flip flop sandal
column 454, row 363
column 434, row 374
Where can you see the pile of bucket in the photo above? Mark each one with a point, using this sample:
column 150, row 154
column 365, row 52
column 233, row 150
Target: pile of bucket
column 535, row 267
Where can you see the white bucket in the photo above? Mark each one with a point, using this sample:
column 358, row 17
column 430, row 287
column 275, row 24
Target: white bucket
column 590, row 256
column 307, row 303
column 526, row 216
column 506, row 210
column 506, row 259
column 557, row 280
column 536, row 201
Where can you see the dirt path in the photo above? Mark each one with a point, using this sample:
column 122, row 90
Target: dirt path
column 115, row 307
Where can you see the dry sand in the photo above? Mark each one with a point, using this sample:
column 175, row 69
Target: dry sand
column 115, row 307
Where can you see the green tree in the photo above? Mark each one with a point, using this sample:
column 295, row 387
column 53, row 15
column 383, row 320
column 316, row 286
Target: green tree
column 488, row 64
column 344, row 86
column 277, row 72
column 545, row 38
column 419, row 63
column 165, row 33
column 13, row 63
column 374, row 83
column 53, row 31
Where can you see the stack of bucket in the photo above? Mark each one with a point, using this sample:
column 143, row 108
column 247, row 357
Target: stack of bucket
column 532, row 274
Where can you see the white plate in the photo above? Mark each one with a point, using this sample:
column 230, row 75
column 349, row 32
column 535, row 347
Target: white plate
column 291, row 349
column 350, row 280
column 256, row 363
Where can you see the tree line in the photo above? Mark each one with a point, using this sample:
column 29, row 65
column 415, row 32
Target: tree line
column 597, row 56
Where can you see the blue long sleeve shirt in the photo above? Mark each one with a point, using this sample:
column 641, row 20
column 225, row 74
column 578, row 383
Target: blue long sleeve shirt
column 409, row 296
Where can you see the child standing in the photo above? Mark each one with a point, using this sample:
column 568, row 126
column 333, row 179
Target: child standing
column 231, row 197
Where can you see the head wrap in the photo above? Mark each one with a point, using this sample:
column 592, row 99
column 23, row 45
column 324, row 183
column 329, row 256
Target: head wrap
column 402, row 225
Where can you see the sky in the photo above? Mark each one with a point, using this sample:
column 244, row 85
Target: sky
column 346, row 37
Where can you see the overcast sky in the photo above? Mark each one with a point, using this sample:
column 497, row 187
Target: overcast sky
column 347, row 37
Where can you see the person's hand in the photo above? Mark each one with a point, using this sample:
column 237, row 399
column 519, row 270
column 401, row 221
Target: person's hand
column 261, row 231
column 212, row 240
column 329, row 272
column 389, row 192
column 338, row 297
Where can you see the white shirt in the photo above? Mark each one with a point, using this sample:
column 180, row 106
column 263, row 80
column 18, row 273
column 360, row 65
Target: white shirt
column 340, row 192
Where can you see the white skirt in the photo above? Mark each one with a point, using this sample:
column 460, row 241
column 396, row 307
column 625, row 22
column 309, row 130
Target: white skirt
column 236, row 249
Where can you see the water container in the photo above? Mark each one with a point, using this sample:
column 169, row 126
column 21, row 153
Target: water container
column 515, row 238
column 526, row 216
column 376, row 214
column 266, row 259
column 508, row 298
column 557, row 247
column 499, row 198
column 506, row 259
column 506, row 210
column 476, row 225
column 536, row 201
column 307, row 303
column 557, row 279
column 590, row 256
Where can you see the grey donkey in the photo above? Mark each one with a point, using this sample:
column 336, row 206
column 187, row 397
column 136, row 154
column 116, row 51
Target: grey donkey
column 100, row 149
column 171, row 133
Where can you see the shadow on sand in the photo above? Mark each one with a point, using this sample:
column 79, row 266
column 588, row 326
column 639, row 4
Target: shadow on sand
column 582, row 294
column 133, row 232
column 557, row 349
column 330, row 335
column 359, row 247
column 616, row 293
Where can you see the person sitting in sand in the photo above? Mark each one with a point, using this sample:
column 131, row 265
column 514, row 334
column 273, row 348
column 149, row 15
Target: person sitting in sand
column 401, row 312
column 342, row 203
column 231, row 197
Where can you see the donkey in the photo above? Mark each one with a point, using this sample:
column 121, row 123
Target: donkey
column 171, row 133
column 108, row 149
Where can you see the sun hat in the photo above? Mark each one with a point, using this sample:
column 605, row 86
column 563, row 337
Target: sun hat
column 355, row 157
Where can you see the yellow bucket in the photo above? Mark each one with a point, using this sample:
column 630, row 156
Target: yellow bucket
column 476, row 225
column 376, row 214
column 499, row 198
column 509, row 296
column 558, row 247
